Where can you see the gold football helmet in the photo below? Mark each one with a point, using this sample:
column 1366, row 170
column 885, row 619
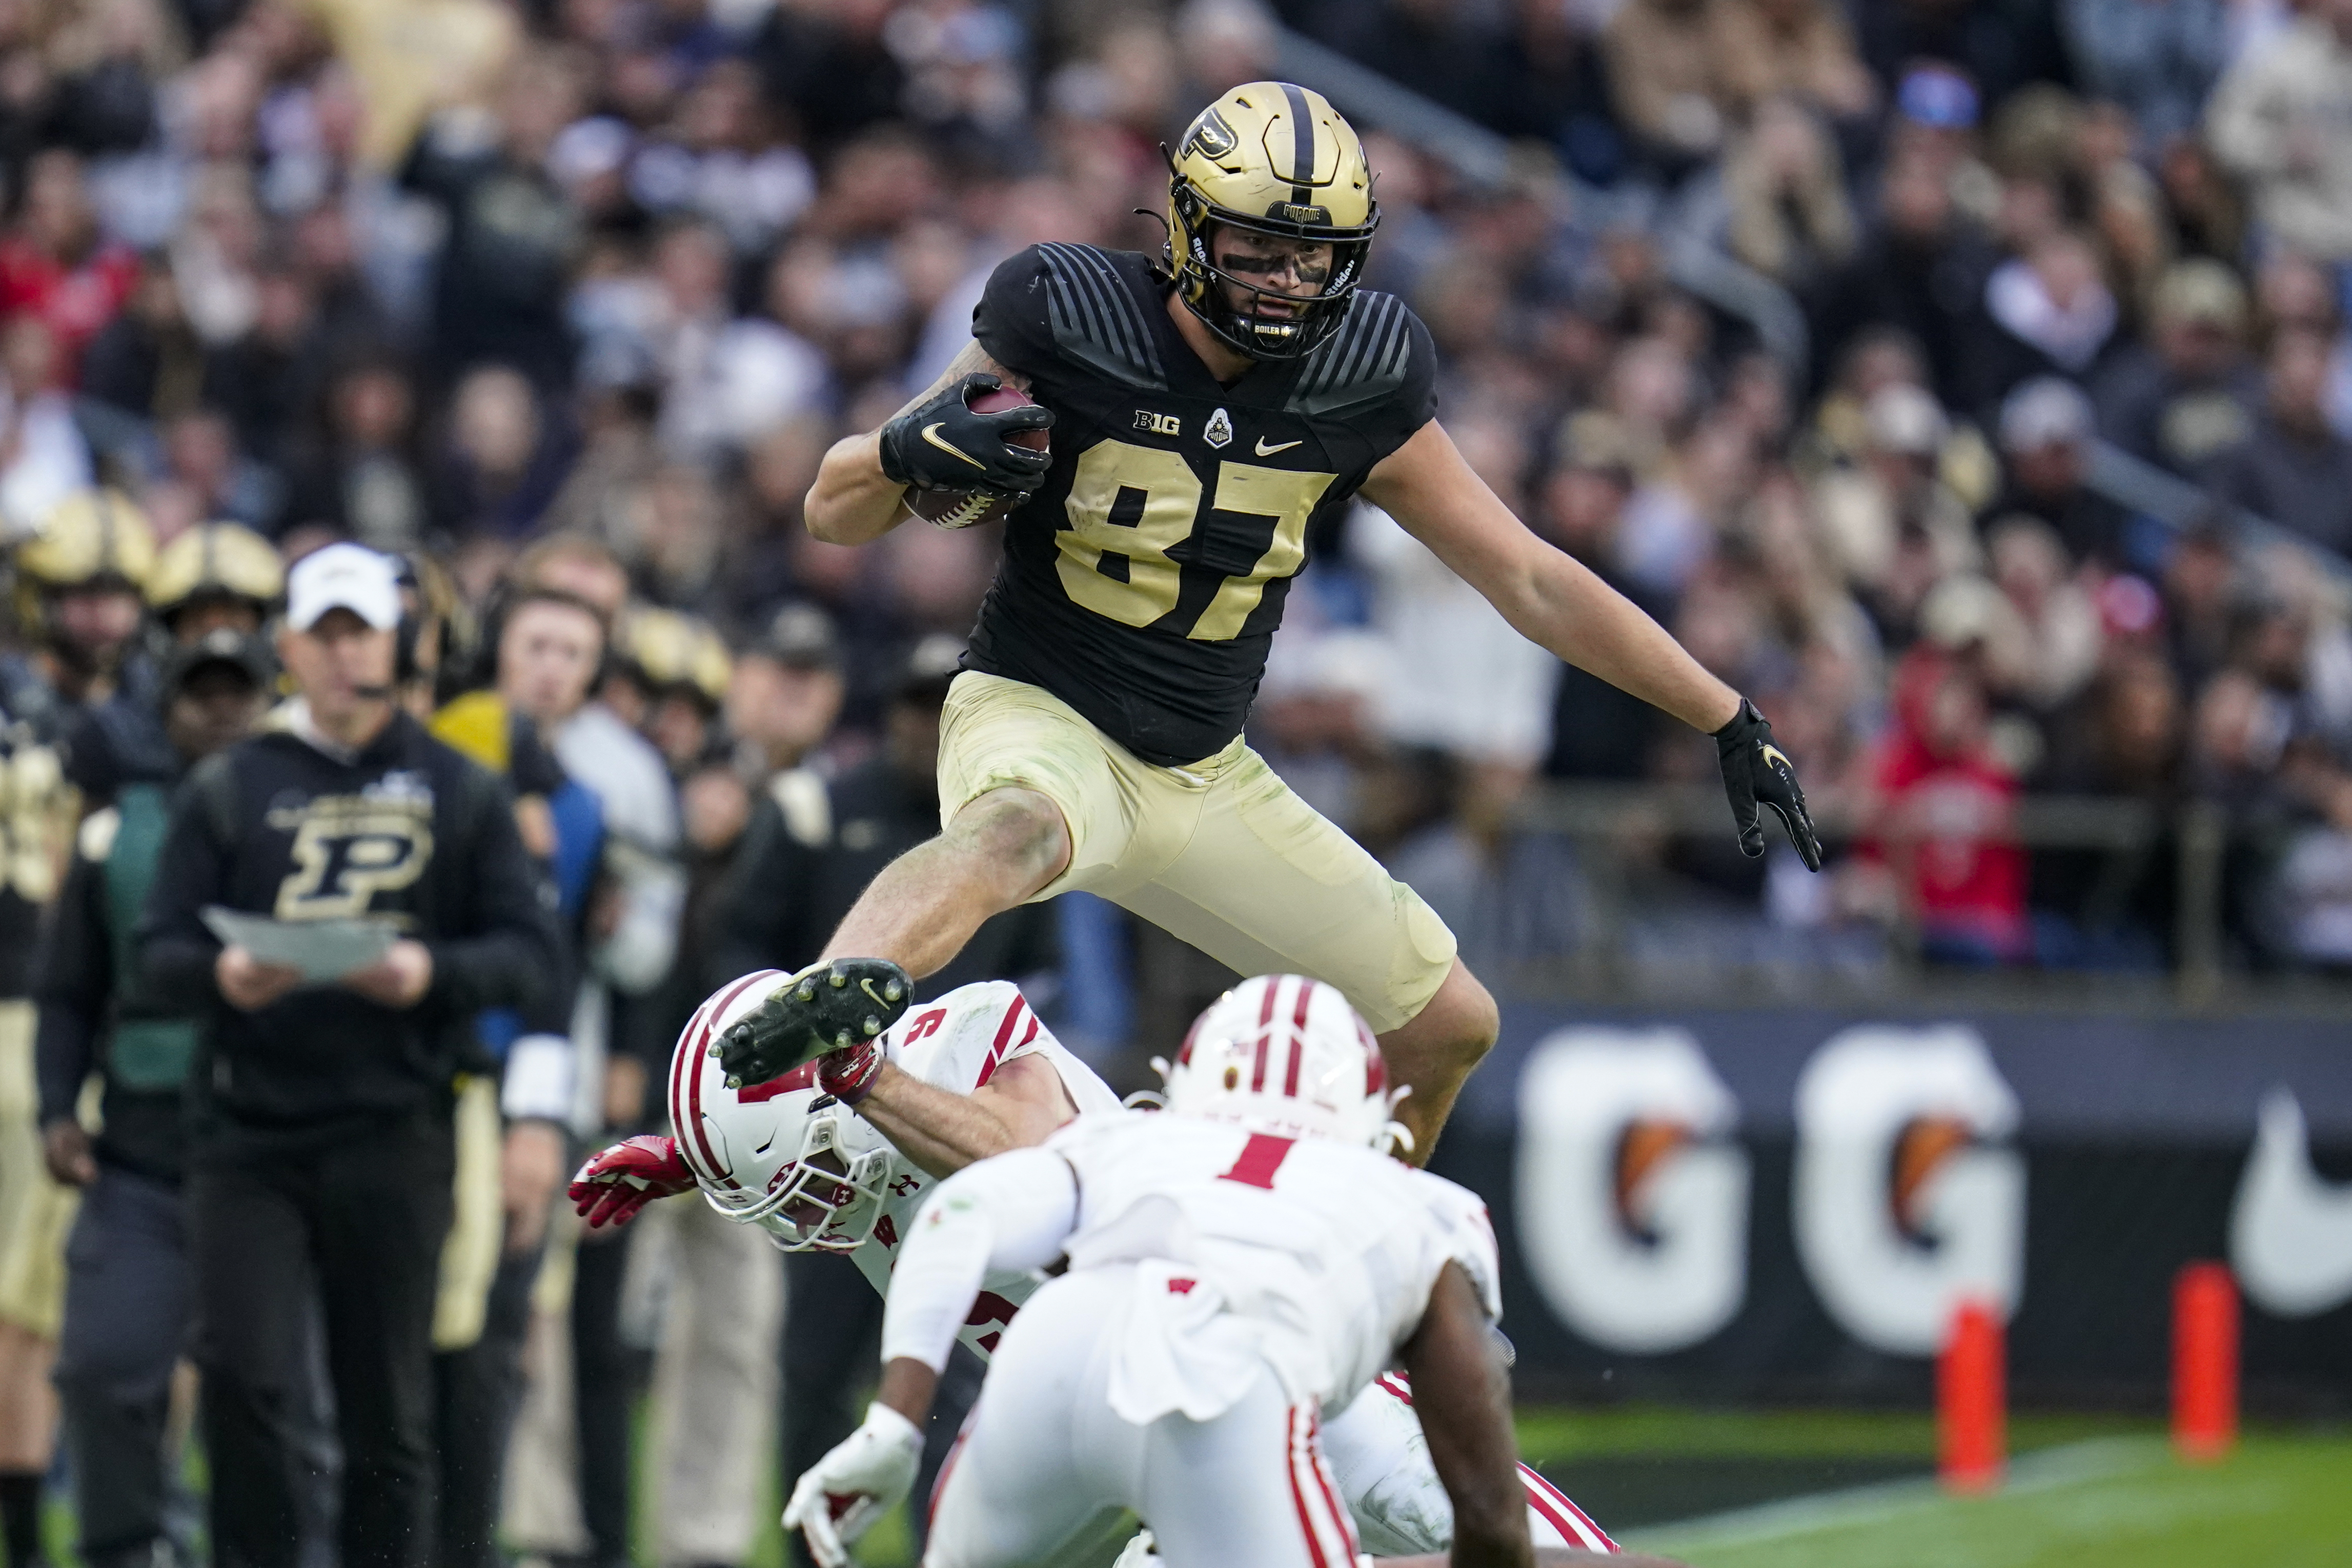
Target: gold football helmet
column 1276, row 160
column 90, row 537
column 673, row 650
column 223, row 560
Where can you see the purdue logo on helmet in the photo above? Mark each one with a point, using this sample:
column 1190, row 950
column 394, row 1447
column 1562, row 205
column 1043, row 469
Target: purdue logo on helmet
column 1275, row 160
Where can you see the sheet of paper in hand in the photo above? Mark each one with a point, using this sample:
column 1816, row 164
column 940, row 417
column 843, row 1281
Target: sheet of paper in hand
column 321, row 949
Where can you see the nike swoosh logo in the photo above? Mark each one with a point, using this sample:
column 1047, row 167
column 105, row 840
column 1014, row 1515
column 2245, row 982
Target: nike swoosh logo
column 931, row 434
column 2290, row 1229
column 1266, row 451
column 1770, row 753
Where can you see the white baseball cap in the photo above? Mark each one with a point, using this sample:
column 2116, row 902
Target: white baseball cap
column 343, row 576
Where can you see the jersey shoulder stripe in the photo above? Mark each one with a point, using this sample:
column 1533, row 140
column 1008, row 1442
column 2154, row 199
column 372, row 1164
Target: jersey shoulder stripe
column 1367, row 359
column 1095, row 318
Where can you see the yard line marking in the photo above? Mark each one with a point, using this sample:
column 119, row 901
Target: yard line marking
column 2048, row 1470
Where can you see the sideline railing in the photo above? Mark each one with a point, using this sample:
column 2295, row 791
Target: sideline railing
column 1613, row 832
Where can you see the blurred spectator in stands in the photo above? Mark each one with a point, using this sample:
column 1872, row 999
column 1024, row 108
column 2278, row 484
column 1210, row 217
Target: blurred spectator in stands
column 1892, row 527
column 785, row 693
column 1789, row 218
column 2281, row 120
column 1670, row 87
column 268, row 380
column 2200, row 579
column 1941, row 826
column 57, row 267
column 43, row 457
column 1997, row 49
column 2114, row 908
column 1919, row 267
column 1596, row 731
column 506, row 457
column 2060, row 622
column 360, row 477
column 2046, row 430
column 148, row 360
column 2156, row 58
column 512, row 229
column 2294, row 469
column 1801, row 49
column 2188, row 392
column 721, row 160
column 2048, row 312
column 200, row 451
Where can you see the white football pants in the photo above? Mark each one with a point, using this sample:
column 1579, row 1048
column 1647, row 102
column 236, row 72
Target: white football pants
column 1045, row 1466
column 1045, row 1469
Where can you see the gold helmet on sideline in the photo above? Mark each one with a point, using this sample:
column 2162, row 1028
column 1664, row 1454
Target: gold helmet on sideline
column 670, row 651
column 1277, row 160
column 215, row 560
column 92, row 536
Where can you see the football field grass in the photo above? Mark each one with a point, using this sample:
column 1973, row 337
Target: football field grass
column 1816, row 1489
column 1822, row 1489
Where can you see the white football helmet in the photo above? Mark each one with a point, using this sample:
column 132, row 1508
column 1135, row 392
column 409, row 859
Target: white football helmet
column 1287, row 1055
column 784, row 1155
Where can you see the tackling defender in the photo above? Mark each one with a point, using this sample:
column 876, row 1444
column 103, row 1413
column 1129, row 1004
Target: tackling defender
column 839, row 1155
column 1228, row 1271
column 1207, row 411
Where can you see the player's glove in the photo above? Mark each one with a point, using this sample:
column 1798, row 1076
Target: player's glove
column 849, row 1075
column 614, row 1185
column 1757, row 772
column 942, row 445
column 864, row 1477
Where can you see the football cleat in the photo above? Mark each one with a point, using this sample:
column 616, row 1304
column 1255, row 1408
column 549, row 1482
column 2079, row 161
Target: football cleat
column 826, row 1007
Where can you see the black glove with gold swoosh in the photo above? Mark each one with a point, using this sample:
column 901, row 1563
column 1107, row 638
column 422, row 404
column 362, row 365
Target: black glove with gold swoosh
column 942, row 444
column 1757, row 772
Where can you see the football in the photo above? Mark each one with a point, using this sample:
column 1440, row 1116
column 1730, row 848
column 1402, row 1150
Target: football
column 952, row 509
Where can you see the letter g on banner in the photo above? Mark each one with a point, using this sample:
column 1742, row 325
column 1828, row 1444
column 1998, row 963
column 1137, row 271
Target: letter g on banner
column 1631, row 1208
column 1903, row 1209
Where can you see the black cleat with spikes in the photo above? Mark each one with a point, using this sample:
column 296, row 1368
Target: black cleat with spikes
column 824, row 1008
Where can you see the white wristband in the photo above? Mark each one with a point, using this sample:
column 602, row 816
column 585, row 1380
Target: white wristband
column 538, row 1081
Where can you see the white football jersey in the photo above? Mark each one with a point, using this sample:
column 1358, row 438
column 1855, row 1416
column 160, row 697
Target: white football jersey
column 1314, row 1256
column 957, row 1043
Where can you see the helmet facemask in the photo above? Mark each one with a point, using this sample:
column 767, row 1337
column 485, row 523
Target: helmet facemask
column 1210, row 292
column 827, row 1198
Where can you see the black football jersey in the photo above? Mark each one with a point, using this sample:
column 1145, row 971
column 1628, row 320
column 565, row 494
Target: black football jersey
column 1142, row 582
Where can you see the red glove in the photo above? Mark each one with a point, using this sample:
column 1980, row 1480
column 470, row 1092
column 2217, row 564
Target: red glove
column 613, row 1185
column 848, row 1074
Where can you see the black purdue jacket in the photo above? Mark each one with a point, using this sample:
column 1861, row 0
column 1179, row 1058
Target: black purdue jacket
column 408, row 830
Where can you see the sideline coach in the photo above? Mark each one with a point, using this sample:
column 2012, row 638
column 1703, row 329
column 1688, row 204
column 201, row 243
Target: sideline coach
column 321, row 1147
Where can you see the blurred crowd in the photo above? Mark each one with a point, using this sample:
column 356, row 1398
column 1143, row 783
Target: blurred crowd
column 559, row 302
column 447, row 276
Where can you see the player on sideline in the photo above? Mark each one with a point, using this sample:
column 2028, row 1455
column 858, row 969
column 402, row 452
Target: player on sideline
column 839, row 1155
column 1207, row 411
column 1229, row 1271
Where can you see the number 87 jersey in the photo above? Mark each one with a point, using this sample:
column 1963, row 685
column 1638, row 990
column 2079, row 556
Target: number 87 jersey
column 1142, row 582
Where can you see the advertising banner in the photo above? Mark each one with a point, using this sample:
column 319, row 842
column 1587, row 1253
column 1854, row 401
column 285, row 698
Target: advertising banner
column 1790, row 1203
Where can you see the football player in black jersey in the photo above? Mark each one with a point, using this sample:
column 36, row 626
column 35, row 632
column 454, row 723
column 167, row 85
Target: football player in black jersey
column 1205, row 411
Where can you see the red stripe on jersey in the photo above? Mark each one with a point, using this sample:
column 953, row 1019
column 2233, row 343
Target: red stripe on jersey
column 1004, row 1033
column 1259, row 1159
column 1264, row 1028
column 1393, row 1384
column 1299, row 1498
column 1564, row 1516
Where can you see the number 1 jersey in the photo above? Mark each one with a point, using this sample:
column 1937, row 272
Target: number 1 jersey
column 1142, row 582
